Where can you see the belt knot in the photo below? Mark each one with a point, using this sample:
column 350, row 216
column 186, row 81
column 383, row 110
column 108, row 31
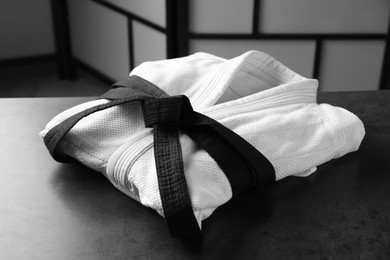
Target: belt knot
column 173, row 110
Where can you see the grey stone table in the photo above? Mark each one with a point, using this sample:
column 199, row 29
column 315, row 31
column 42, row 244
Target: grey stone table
column 54, row 211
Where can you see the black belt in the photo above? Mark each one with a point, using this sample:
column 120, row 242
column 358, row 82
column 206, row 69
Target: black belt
column 244, row 166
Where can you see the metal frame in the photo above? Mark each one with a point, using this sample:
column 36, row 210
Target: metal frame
column 66, row 61
column 385, row 77
column 178, row 37
column 317, row 38
column 133, row 17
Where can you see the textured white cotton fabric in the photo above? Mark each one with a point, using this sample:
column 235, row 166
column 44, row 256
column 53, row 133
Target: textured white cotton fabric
column 269, row 105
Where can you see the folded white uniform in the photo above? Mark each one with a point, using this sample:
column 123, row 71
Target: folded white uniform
column 270, row 106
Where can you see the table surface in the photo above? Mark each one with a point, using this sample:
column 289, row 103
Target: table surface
column 56, row 211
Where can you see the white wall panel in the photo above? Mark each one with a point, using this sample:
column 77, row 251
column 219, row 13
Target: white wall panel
column 319, row 16
column 25, row 28
column 351, row 65
column 149, row 44
column 152, row 10
column 99, row 38
column 297, row 55
column 221, row 16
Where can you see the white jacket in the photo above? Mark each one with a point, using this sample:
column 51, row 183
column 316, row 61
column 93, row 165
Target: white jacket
column 269, row 105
